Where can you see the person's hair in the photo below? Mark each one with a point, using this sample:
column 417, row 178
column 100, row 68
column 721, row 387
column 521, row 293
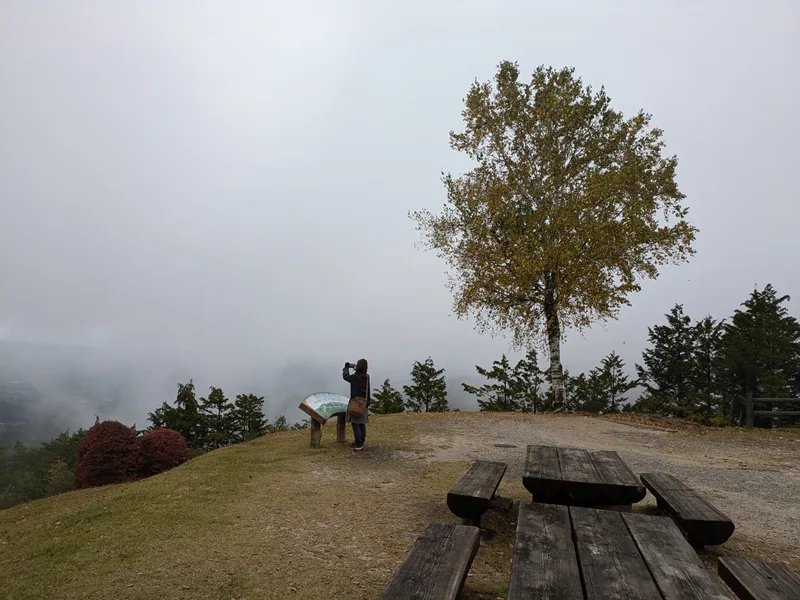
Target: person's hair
column 361, row 365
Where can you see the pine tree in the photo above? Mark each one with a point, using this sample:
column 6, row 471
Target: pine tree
column 248, row 417
column 761, row 349
column 706, row 366
column 185, row 417
column 667, row 371
column 496, row 397
column 386, row 400
column 280, row 425
column 528, row 380
column 616, row 381
column 219, row 418
column 428, row 393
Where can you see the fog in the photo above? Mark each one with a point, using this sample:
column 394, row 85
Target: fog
column 220, row 190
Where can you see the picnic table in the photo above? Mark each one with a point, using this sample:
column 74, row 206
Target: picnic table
column 578, row 553
column 576, row 477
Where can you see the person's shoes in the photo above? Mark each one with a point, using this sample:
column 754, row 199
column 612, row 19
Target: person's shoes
column 353, row 446
column 358, row 446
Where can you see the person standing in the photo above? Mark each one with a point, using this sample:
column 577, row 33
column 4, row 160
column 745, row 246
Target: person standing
column 359, row 388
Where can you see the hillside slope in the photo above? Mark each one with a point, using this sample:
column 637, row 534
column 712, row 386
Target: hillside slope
column 275, row 519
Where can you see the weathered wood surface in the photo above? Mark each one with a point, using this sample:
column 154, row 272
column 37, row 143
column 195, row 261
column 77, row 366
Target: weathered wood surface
column 471, row 495
column 703, row 524
column 542, row 475
column 777, row 413
column 776, row 400
column 544, row 564
column 577, row 477
column 341, row 428
column 620, row 485
column 316, row 433
column 610, row 562
column 673, row 563
column 437, row 565
column 759, row 580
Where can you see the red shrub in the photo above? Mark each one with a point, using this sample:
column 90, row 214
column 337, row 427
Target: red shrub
column 162, row 449
column 109, row 453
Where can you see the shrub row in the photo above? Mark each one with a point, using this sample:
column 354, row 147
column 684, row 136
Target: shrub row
column 113, row 453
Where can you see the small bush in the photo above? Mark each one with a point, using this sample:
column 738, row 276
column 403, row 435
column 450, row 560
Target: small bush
column 109, row 453
column 162, row 449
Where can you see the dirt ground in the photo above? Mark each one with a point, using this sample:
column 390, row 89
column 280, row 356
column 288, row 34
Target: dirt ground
column 752, row 476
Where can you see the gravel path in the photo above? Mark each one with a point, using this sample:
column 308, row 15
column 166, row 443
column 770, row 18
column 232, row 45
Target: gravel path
column 752, row 479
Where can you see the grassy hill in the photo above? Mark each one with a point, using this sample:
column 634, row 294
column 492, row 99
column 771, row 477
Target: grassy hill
column 275, row 519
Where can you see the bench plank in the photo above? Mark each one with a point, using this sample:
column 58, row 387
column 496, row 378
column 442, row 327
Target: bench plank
column 611, row 565
column 544, row 564
column 673, row 563
column 759, row 580
column 472, row 493
column 620, row 484
column 542, row 475
column 704, row 524
column 437, row 565
column 580, row 478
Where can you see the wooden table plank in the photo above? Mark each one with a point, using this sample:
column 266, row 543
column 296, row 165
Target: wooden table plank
column 611, row 565
column 544, row 565
column 580, row 479
column 437, row 564
column 759, row 580
column 673, row 563
column 620, row 485
column 542, row 475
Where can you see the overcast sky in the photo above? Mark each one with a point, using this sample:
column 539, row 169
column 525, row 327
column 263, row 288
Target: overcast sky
column 231, row 180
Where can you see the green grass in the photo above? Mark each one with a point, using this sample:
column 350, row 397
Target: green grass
column 268, row 519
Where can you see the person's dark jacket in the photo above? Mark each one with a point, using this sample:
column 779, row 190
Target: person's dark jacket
column 358, row 384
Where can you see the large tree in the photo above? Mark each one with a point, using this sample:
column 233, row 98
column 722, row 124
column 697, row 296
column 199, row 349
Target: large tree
column 569, row 205
column 219, row 417
column 428, row 391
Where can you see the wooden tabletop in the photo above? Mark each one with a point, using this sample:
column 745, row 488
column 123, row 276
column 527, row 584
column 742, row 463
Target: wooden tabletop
column 577, row 477
column 576, row 553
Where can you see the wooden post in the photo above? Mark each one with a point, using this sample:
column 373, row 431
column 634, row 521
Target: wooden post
column 749, row 407
column 341, row 432
column 316, row 433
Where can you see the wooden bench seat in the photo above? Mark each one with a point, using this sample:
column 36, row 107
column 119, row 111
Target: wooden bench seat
column 471, row 495
column 702, row 523
column 437, row 565
column 759, row 580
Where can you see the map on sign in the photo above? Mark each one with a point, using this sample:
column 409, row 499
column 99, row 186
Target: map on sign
column 323, row 405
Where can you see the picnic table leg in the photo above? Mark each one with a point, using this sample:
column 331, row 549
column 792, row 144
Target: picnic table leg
column 340, row 429
column 316, row 433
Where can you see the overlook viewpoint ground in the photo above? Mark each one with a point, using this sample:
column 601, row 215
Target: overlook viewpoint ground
column 275, row 519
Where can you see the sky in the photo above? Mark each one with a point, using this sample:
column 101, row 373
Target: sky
column 224, row 187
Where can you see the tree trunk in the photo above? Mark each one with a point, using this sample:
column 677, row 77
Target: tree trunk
column 556, row 370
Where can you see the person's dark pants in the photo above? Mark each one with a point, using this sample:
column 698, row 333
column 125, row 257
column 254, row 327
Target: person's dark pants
column 360, row 432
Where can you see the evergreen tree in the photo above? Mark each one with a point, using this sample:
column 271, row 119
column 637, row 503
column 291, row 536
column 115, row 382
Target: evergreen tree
column 304, row 424
column 428, row 393
column 591, row 394
column 501, row 396
column 219, row 414
column 760, row 350
column 528, row 380
column 248, row 417
column 185, row 417
column 280, row 425
column 706, row 366
column 615, row 381
column 667, row 371
column 386, row 400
